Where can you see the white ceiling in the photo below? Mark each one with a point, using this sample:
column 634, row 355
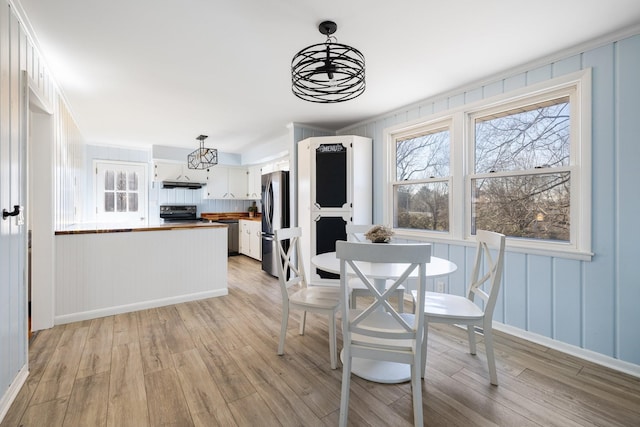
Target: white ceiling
column 143, row 72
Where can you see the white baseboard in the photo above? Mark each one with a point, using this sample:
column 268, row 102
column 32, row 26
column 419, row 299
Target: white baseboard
column 109, row 311
column 591, row 356
column 12, row 391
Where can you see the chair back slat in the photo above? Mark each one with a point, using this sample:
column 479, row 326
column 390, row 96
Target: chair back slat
column 490, row 259
column 380, row 319
column 290, row 269
column 355, row 232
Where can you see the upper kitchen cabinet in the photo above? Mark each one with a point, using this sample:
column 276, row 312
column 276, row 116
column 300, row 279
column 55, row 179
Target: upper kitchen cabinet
column 177, row 171
column 226, row 182
column 254, row 182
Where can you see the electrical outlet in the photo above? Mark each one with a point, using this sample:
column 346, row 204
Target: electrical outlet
column 440, row 286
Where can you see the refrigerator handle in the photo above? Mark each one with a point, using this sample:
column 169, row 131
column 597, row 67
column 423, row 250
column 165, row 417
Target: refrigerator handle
column 270, row 204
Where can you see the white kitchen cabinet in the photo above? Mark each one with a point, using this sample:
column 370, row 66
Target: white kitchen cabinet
column 177, row 171
column 334, row 189
column 238, row 183
column 254, row 182
column 226, row 182
column 250, row 238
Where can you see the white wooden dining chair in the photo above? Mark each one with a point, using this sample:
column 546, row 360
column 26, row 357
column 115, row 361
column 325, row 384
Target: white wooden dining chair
column 484, row 284
column 379, row 331
column 355, row 233
column 296, row 295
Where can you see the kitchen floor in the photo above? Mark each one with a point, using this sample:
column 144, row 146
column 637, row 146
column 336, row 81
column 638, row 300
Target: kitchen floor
column 214, row 362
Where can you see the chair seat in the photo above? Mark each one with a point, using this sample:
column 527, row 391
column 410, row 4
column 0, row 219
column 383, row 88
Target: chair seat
column 381, row 321
column 447, row 306
column 317, row 296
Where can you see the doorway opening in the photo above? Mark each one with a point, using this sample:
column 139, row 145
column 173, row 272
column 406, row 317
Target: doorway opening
column 39, row 212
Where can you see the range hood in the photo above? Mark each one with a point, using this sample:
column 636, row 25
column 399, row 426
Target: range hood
column 182, row 184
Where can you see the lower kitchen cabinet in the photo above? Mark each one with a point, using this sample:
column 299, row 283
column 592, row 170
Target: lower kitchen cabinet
column 250, row 238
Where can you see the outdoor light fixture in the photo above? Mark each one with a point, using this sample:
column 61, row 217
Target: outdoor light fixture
column 202, row 158
column 328, row 72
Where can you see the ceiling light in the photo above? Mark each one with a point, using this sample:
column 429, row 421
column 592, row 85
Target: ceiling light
column 202, row 158
column 328, row 72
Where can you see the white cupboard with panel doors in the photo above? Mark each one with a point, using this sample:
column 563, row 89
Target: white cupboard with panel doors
column 226, row 182
column 177, row 171
column 254, row 182
column 250, row 238
column 334, row 189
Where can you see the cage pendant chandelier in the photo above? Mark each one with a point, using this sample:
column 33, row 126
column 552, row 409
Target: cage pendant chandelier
column 328, row 72
column 202, row 158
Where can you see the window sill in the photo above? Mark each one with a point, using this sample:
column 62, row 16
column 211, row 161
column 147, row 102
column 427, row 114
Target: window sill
column 554, row 250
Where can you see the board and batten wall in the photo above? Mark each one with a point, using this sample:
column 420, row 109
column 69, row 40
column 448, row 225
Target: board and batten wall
column 20, row 60
column 589, row 308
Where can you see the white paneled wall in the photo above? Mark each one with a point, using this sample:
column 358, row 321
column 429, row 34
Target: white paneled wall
column 19, row 57
column 13, row 301
column 101, row 274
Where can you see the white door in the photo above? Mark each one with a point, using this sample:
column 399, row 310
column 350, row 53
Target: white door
column 13, row 235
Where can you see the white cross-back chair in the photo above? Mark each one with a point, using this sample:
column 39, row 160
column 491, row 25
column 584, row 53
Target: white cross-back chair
column 355, row 233
column 379, row 331
column 296, row 295
column 484, row 284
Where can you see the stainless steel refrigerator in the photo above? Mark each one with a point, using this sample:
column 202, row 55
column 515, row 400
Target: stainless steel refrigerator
column 275, row 215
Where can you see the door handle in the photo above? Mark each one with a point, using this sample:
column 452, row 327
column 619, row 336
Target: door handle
column 15, row 212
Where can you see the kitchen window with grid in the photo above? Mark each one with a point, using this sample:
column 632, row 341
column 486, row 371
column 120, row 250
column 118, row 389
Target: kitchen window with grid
column 120, row 192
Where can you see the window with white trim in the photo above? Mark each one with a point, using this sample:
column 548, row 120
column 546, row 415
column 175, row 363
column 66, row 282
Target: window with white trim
column 521, row 182
column 422, row 179
column 121, row 191
column 518, row 164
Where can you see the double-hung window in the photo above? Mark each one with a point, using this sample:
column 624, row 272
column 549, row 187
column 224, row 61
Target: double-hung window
column 518, row 164
column 421, row 185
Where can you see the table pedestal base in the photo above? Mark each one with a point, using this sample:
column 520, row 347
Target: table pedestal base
column 380, row 371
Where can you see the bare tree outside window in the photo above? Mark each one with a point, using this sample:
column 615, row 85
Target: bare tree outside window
column 528, row 153
column 421, row 192
column 517, row 162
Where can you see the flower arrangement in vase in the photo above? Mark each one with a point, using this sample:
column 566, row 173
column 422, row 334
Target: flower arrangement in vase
column 379, row 234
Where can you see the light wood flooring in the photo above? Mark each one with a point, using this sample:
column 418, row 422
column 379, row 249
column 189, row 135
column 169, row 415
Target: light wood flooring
column 213, row 362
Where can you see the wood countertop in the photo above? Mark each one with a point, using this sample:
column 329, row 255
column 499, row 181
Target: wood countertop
column 121, row 228
column 212, row 217
column 220, row 216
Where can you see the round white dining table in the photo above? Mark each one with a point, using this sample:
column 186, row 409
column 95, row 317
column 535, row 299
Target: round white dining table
column 377, row 370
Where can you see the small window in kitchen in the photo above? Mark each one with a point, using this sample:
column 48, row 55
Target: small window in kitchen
column 121, row 191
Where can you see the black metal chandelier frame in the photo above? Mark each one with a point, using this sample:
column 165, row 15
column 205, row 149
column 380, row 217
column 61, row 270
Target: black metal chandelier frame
column 328, row 72
column 202, row 158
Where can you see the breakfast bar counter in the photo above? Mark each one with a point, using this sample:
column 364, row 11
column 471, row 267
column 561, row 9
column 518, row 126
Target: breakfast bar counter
column 101, row 270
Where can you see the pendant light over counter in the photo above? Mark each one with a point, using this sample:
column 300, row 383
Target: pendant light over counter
column 328, row 72
column 202, row 158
